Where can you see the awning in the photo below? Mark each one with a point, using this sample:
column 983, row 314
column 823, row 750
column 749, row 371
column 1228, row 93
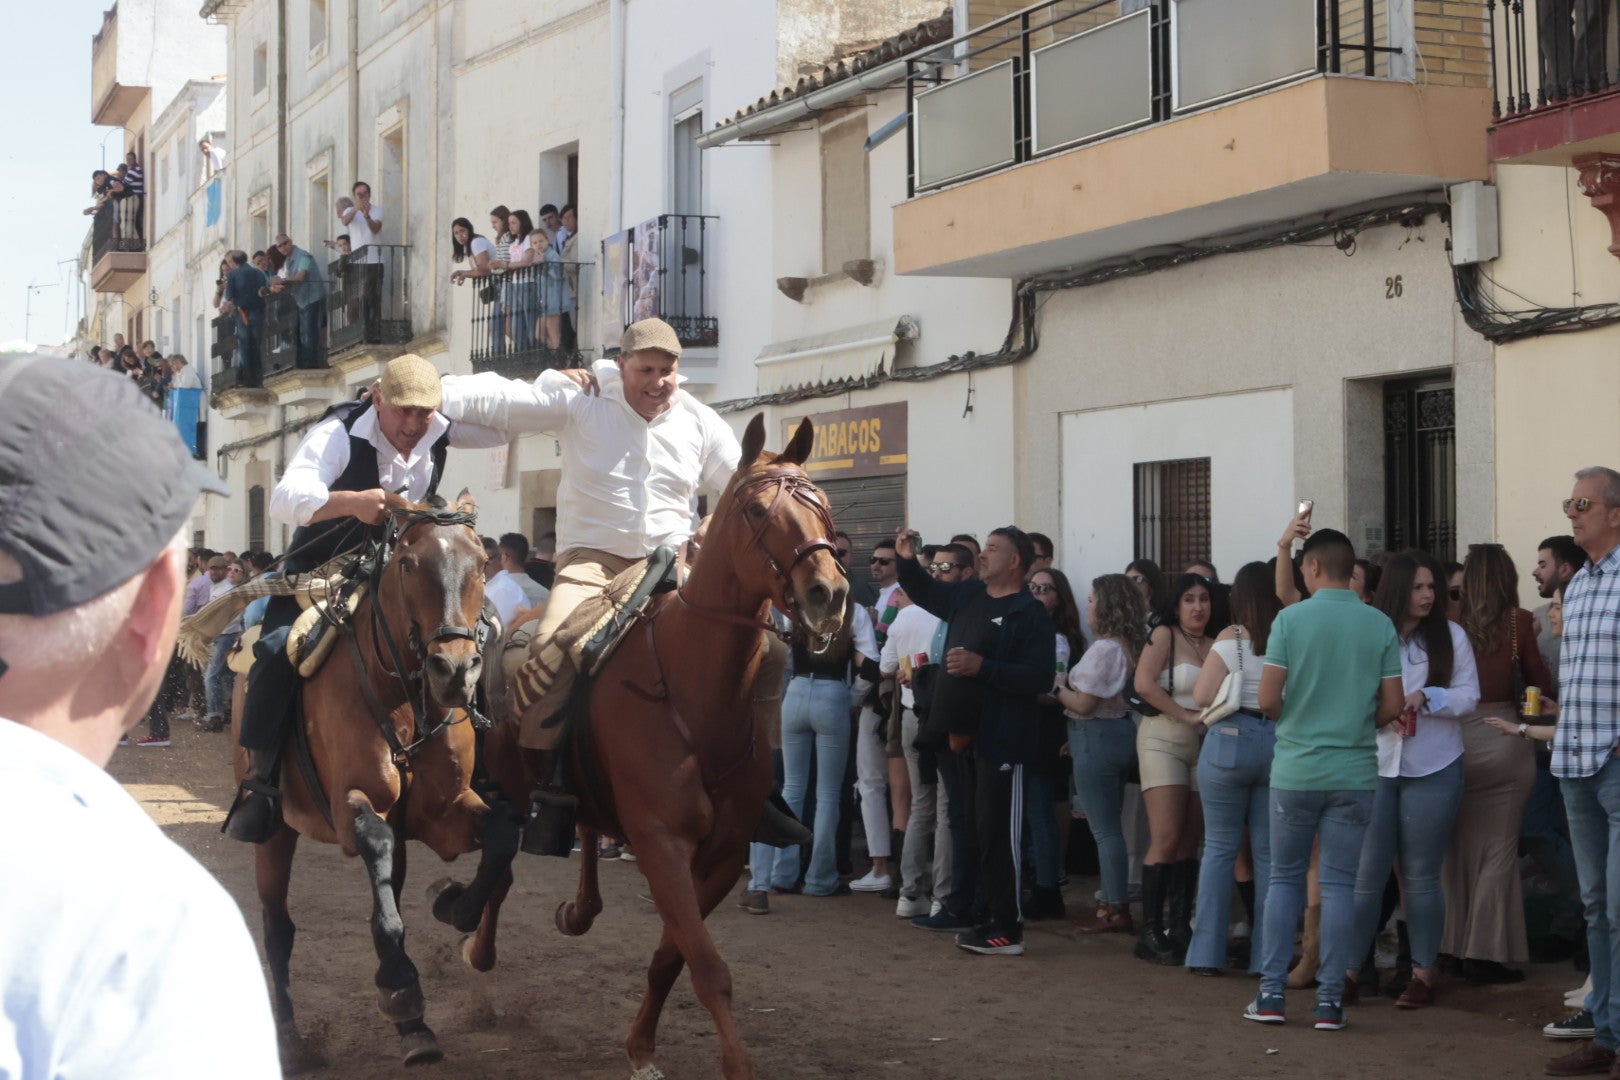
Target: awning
column 853, row 353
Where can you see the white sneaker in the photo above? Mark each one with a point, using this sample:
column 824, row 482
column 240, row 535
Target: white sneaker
column 1576, row 999
column 910, row 907
column 1241, row 931
column 872, row 882
column 936, row 907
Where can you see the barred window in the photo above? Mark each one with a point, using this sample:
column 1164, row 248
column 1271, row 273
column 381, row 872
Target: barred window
column 1172, row 512
column 256, row 517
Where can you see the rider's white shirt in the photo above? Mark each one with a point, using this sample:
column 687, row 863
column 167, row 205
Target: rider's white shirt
column 323, row 455
column 119, row 955
column 506, row 594
column 628, row 484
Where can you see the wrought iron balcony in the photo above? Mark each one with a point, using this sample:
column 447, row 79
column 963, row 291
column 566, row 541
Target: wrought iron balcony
column 660, row 269
column 1555, row 71
column 118, row 244
column 526, row 320
column 370, row 298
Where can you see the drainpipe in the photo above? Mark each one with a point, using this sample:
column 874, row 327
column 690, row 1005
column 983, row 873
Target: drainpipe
column 435, row 215
column 354, row 92
column 617, row 35
column 282, row 165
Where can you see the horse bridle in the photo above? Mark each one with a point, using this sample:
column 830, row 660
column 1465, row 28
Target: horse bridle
column 400, row 521
column 790, row 482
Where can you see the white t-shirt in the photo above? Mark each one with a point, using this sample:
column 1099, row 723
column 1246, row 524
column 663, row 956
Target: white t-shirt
column 481, row 246
column 361, row 235
column 120, row 956
column 506, row 595
column 186, row 379
column 911, row 634
column 1239, row 656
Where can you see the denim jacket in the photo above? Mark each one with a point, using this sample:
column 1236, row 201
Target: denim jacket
column 1021, row 670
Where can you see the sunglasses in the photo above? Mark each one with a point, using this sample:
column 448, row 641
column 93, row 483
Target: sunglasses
column 945, row 567
column 1580, row 506
column 1136, row 579
column 1041, row 590
column 842, row 553
column 875, row 561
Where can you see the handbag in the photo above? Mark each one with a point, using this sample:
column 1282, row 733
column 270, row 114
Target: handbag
column 1229, row 698
column 1140, row 705
column 489, row 294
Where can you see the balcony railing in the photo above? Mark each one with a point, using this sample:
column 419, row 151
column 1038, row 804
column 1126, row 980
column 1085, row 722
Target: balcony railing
column 370, row 298
column 1547, row 53
column 117, row 227
column 526, row 320
column 291, row 336
column 1058, row 75
column 660, row 269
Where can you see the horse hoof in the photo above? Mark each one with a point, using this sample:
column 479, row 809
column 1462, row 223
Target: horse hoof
column 297, row 1054
column 442, row 896
column 648, row 1072
column 469, row 953
column 420, row 1048
column 402, row 1005
column 563, row 922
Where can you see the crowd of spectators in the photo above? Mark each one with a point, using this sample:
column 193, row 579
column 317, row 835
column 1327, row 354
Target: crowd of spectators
column 153, row 372
column 527, row 273
column 1275, row 774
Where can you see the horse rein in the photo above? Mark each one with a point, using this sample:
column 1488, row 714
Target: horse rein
column 400, row 521
column 792, row 483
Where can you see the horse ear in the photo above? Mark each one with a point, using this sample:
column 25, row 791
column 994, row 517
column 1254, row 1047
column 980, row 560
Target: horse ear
column 804, row 440
column 753, row 441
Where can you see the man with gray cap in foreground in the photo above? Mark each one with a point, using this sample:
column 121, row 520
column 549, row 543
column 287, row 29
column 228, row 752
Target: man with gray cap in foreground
column 637, row 450
column 119, row 954
column 334, row 490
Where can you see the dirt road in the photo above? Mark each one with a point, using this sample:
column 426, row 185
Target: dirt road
column 824, row 987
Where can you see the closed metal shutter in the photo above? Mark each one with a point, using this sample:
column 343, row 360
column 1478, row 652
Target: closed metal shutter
column 869, row 510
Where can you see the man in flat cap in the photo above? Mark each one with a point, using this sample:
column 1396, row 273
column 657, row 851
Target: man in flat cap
column 334, row 491
column 637, row 451
column 107, row 928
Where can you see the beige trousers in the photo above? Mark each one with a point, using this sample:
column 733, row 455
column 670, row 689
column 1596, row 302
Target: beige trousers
column 581, row 574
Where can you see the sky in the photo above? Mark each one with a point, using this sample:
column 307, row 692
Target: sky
column 48, row 148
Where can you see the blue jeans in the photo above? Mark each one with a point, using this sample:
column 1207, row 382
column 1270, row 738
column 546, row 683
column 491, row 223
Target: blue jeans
column 520, row 305
column 1411, row 821
column 1104, row 755
column 311, row 317
column 1234, row 781
column 815, row 722
column 217, row 685
column 1593, row 805
column 762, row 857
column 248, row 362
column 1546, row 840
column 1043, row 828
column 1296, row 819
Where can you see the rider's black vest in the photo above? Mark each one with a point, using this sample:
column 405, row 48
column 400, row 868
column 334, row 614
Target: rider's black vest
column 314, row 544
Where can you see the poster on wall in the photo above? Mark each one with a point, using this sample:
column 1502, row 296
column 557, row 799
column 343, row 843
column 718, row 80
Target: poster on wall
column 645, row 274
column 615, row 288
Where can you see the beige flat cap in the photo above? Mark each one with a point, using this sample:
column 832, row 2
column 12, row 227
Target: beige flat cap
column 650, row 334
column 410, row 382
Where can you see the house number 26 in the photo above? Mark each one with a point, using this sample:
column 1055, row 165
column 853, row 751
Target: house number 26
column 1392, row 287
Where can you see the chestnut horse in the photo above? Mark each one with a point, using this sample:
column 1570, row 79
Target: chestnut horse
column 394, row 757
column 670, row 758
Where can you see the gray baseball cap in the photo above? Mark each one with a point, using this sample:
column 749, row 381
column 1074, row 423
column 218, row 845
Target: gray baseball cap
column 94, row 482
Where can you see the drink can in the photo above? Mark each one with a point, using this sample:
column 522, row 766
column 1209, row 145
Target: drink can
column 1408, row 721
column 919, row 660
column 1532, row 701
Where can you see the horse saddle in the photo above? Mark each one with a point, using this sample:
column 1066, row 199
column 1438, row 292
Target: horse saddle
column 310, row 641
column 588, row 637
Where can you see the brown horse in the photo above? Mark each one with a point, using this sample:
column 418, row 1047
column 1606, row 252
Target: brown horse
column 670, row 758
column 394, row 759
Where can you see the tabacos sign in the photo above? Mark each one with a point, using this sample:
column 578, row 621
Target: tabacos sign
column 856, row 442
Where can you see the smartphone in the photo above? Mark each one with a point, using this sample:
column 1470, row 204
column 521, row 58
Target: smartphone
column 1306, row 506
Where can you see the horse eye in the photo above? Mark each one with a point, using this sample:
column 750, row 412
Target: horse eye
column 754, row 511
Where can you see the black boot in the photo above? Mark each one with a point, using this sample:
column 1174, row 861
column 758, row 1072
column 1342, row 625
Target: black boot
column 1152, row 943
column 1181, row 894
column 778, row 827
column 553, row 812
column 1241, row 950
column 256, row 814
column 1403, row 963
column 1045, row 903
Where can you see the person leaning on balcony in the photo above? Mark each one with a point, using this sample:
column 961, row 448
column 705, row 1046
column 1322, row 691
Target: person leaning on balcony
column 567, row 243
column 519, row 291
column 467, row 246
column 213, row 158
column 551, row 290
column 365, row 221
column 243, row 298
column 302, row 272
column 182, row 376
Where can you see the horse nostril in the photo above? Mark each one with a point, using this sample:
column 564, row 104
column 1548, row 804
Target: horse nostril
column 819, row 596
column 440, row 667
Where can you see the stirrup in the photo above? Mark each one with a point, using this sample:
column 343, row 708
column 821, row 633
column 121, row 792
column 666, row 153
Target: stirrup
column 255, row 815
column 779, row 828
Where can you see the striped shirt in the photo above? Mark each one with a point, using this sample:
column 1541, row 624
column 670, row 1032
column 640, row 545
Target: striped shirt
column 1589, row 670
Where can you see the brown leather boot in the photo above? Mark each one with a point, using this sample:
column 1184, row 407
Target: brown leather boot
column 1108, row 919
